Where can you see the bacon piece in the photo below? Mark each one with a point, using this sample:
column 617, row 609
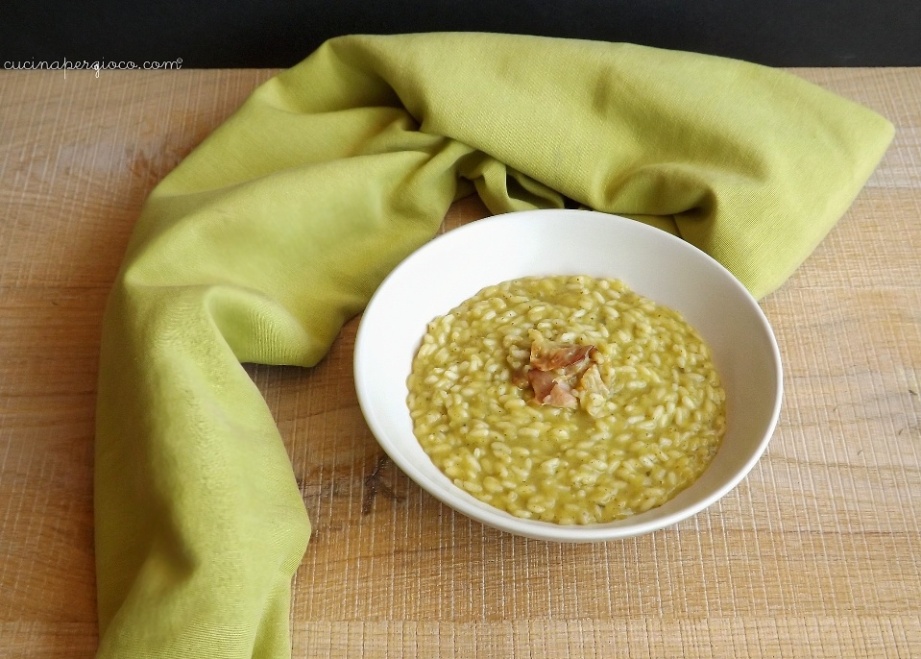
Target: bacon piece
column 541, row 382
column 572, row 358
column 591, row 382
column 554, row 369
column 550, row 389
column 560, row 396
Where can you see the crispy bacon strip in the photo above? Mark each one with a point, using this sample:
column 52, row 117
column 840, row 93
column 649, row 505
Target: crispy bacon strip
column 591, row 382
column 553, row 370
column 550, row 389
column 550, row 356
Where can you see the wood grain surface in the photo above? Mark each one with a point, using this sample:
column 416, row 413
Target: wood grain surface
column 816, row 554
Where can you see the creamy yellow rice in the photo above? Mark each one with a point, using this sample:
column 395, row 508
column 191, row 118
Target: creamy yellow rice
column 646, row 432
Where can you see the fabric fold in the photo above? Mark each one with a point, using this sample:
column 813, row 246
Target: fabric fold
column 281, row 224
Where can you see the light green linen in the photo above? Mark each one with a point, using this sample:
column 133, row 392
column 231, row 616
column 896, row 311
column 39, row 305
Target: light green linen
column 281, row 224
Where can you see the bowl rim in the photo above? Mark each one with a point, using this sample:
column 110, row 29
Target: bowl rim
column 461, row 501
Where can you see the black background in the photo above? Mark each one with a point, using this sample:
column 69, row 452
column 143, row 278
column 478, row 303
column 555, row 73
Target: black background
column 279, row 33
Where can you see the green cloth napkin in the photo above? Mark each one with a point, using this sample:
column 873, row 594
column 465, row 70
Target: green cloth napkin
column 279, row 227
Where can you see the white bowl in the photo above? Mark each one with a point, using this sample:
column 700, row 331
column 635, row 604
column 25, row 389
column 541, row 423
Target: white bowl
column 456, row 265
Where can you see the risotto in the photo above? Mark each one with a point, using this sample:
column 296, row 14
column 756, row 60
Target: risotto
column 566, row 399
